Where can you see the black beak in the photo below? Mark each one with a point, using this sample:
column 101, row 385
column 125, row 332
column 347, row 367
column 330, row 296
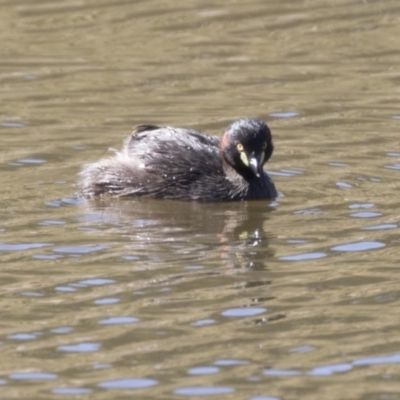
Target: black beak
column 255, row 166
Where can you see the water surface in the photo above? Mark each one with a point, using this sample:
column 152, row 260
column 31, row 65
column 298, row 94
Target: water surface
column 159, row 299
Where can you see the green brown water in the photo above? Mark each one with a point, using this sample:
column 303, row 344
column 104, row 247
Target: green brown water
column 165, row 300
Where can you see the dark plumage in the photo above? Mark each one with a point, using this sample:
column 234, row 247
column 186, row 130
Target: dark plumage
column 182, row 164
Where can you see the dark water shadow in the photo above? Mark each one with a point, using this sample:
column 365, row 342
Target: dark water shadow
column 235, row 232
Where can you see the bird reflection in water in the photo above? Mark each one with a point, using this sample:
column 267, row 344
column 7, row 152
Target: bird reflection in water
column 200, row 233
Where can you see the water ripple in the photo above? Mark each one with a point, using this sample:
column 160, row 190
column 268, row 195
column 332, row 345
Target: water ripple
column 129, row 383
column 391, row 359
column 281, row 372
column 361, row 205
column 203, row 322
column 331, row 369
column 86, row 347
column 22, row 336
column 204, row 390
column 203, row 370
column 287, row 114
column 327, row 370
column 338, row 164
column 79, row 249
column 95, row 282
column 22, row 246
column 33, row 376
column 71, row 391
column 243, row 311
column 366, row 214
column 32, row 161
column 12, row 124
column 303, row 257
column 344, row 185
column 62, row 330
column 380, row 227
column 227, row 362
column 107, row 300
column 358, row 246
column 393, row 166
column 118, row 320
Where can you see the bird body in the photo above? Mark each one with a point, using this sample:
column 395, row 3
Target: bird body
column 182, row 164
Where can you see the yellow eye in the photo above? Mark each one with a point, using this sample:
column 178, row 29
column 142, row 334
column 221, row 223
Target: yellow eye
column 264, row 146
column 240, row 147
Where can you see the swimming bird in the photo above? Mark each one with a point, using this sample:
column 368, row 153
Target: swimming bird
column 182, row 164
